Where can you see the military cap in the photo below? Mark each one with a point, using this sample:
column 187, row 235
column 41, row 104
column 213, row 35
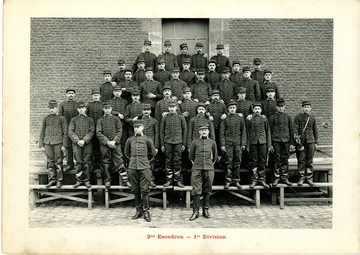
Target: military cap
column 175, row 70
column 232, row 102
column 199, row 45
column 147, row 42
column 172, row 103
column 80, row 104
column 215, row 91
column 95, row 91
column 107, row 72
column 166, row 87
column 257, row 61
column 270, row 89
column 306, row 103
column 200, row 71
column 236, row 62
column 204, row 127
column 117, row 87
column 70, row 89
column 135, row 92
column 241, row 90
column 186, row 90
column 280, row 101
column 138, row 123
column 246, row 69
column 186, row 60
column 257, row 104
column 149, row 68
column 267, row 71
column 52, row 103
column 121, row 62
column 106, row 104
column 183, row 45
column 212, row 61
column 225, row 70
column 140, row 60
column 127, row 70
column 167, row 42
column 220, row 46
column 146, row 106
column 200, row 105
column 160, row 60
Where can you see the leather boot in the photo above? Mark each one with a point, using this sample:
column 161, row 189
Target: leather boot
column 206, row 213
column 87, row 184
column 238, row 185
column 196, row 205
column 227, row 185
column 152, row 184
column 167, row 183
column 310, row 181
column 195, row 215
column 300, row 182
column 252, row 184
column 51, row 183
column 206, row 204
column 265, row 184
column 179, row 183
column 58, row 184
column 287, row 182
column 276, row 181
column 138, row 213
column 107, row 177
column 147, row 215
column 77, row 184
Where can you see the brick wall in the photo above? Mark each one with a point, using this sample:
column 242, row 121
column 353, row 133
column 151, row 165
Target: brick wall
column 73, row 52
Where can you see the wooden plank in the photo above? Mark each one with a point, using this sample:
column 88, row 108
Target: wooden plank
column 89, row 199
column 307, row 199
column 107, row 204
column 32, row 199
column 187, row 199
column 241, row 196
column 257, row 198
column 282, row 191
column 119, row 200
column 165, row 202
column 306, row 185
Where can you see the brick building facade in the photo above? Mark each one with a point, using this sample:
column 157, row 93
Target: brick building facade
column 73, row 52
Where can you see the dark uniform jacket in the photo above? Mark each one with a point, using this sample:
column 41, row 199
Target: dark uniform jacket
column 161, row 107
column 268, row 107
column 68, row 109
column 268, row 84
column 216, row 110
column 54, row 130
column 137, row 149
column 129, row 87
column 193, row 128
column 150, row 60
column 188, row 105
column 150, row 87
column 118, row 105
column 118, row 77
column 252, row 89
column 151, row 129
column 188, row 77
column 109, row 128
column 221, row 62
column 212, row 78
column 198, row 61
column 173, row 129
column 201, row 90
column 94, row 110
column 259, row 131
column 236, row 78
column 257, row 75
column 281, row 127
column 139, row 76
column 233, row 131
column 162, row 76
column 311, row 134
column 180, row 58
column 170, row 60
column 81, row 127
column 203, row 153
column 131, row 111
column 244, row 107
column 106, row 91
column 177, row 87
column 227, row 90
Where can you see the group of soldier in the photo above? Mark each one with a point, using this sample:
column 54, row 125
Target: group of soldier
column 186, row 109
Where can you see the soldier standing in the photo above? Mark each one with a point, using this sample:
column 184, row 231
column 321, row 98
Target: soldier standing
column 201, row 90
column 147, row 56
column 150, row 90
column 211, row 76
column 269, row 104
column 257, row 74
column 267, row 83
column 106, row 89
column 119, row 76
column 221, row 60
column 199, row 60
column 177, row 85
column 170, row 58
column 139, row 75
column 236, row 76
column 161, row 75
column 183, row 55
column 128, row 85
column 252, row 86
column 186, row 75
column 132, row 110
column 226, row 87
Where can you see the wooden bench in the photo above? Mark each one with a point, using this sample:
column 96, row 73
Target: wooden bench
column 127, row 196
column 232, row 190
column 65, row 192
column 299, row 196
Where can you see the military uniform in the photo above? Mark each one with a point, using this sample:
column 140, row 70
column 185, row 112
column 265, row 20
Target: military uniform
column 127, row 87
column 54, row 135
column 236, row 77
column 186, row 75
column 68, row 109
column 148, row 57
column 198, row 61
column 139, row 76
column 203, row 154
column 269, row 107
column 137, row 149
column 201, row 91
column 177, row 87
column 82, row 127
column 173, row 133
column 257, row 75
column 309, row 136
column 252, row 88
column 243, row 106
column 195, row 123
column 281, row 135
column 150, row 86
column 188, row 105
column 221, row 60
column 212, row 78
column 106, row 89
column 181, row 57
column 233, row 136
column 109, row 128
column 269, row 84
column 119, row 75
column 259, row 140
column 131, row 111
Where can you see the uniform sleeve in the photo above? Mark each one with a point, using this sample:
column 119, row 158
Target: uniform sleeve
column 99, row 132
column 290, row 124
column 156, row 134
column 271, row 123
column 243, row 133
column 257, row 91
column 316, row 133
column 190, row 132
column 248, row 126
column 214, row 152
column 222, row 133
column 158, row 91
column 90, row 134
column 209, row 92
column 74, row 137
column 42, row 133
column 64, row 127
column 157, row 111
column 268, row 134
column 118, row 135
column 184, row 130
column 127, row 149
column 61, row 109
column 277, row 92
column 296, row 126
column 162, row 131
column 127, row 115
column 212, row 130
column 175, row 61
column 151, row 147
column 192, row 151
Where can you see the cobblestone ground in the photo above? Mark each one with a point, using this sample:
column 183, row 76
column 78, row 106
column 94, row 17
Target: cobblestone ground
column 226, row 210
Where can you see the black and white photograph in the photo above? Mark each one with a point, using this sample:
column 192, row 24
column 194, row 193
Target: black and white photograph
column 187, row 132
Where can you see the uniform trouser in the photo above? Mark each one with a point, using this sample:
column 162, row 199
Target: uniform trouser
column 173, row 161
column 95, row 155
column 54, row 159
column 70, row 154
column 201, row 181
column 82, row 157
column 281, row 159
column 108, row 156
column 305, row 161
column 217, row 140
column 233, row 161
column 258, row 161
column 140, row 185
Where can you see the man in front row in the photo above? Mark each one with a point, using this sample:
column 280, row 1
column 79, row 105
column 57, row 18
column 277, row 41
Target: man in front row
column 137, row 149
column 203, row 154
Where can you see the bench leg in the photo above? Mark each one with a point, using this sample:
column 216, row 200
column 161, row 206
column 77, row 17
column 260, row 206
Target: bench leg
column 274, row 194
column 89, row 198
column 32, row 195
column 187, row 199
column 257, row 198
column 99, row 191
column 164, row 199
column 107, row 203
column 282, row 195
